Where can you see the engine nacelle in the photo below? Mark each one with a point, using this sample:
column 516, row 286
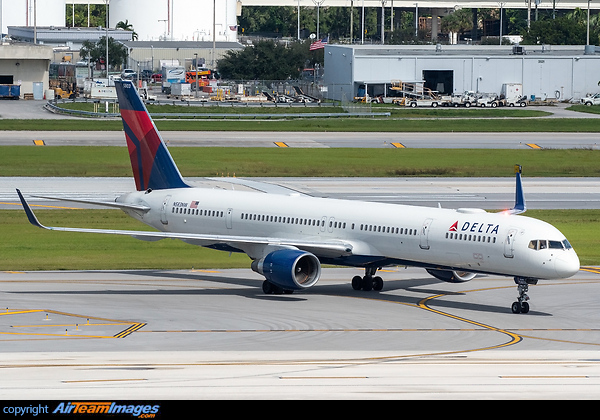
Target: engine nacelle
column 290, row 269
column 452, row 276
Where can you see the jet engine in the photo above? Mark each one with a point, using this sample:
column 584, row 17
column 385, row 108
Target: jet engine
column 289, row 269
column 452, row 276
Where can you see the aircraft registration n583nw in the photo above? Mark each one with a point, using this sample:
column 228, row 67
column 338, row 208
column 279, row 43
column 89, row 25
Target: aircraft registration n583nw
column 289, row 235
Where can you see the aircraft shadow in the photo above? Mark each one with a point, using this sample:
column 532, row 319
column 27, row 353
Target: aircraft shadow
column 414, row 287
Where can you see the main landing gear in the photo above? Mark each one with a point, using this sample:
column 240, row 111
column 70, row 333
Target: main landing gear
column 369, row 281
column 521, row 306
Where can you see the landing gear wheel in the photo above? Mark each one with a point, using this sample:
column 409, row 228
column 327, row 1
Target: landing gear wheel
column 524, row 307
column 377, row 284
column 268, row 287
column 516, row 308
column 272, row 289
column 367, row 283
column 357, row 282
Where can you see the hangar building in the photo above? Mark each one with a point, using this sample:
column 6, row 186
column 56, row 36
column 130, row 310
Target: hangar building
column 561, row 72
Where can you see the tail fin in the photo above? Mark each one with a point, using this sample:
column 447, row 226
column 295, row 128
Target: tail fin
column 520, row 206
column 152, row 164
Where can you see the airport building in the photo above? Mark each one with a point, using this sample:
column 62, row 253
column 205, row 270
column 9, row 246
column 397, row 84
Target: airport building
column 560, row 72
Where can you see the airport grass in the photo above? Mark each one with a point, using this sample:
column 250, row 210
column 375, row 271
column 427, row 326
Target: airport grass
column 594, row 109
column 364, row 125
column 109, row 161
column 27, row 248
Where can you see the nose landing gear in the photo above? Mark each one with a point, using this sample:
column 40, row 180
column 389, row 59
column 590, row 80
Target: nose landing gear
column 521, row 306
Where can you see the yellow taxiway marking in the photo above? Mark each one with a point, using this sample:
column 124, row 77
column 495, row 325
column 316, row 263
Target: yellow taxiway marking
column 41, row 205
column 281, row 144
column 594, row 270
column 399, row 145
column 39, row 142
column 133, row 326
column 68, row 325
column 534, row 146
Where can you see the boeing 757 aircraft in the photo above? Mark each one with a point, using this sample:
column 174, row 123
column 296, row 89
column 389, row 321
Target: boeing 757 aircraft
column 289, row 235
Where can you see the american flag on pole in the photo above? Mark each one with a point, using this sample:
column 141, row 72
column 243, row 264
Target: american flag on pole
column 317, row 45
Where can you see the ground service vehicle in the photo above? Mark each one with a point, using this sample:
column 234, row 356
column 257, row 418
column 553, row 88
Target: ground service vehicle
column 591, row 100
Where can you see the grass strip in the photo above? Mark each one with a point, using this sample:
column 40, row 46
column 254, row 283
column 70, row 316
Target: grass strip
column 101, row 161
column 25, row 247
column 395, row 125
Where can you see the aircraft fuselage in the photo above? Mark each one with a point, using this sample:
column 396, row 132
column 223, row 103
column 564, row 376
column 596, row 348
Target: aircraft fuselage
column 378, row 234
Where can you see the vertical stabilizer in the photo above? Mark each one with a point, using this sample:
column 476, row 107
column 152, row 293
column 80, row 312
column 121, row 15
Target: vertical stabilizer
column 152, row 164
column 520, row 206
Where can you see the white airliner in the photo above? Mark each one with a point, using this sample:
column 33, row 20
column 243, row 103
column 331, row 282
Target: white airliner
column 289, row 235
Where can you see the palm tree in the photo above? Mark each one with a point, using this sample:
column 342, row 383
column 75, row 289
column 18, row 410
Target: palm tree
column 127, row 27
column 458, row 21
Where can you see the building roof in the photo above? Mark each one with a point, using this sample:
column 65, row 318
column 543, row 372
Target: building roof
column 62, row 35
column 467, row 50
column 184, row 44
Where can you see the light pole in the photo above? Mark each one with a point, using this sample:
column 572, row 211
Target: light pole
column 318, row 3
column 416, row 20
column 106, row 8
column 588, row 24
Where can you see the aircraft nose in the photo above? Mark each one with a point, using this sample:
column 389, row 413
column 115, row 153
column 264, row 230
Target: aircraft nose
column 567, row 265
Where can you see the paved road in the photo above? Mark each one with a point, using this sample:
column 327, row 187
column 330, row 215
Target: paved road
column 487, row 193
column 194, row 334
column 34, row 110
column 316, row 140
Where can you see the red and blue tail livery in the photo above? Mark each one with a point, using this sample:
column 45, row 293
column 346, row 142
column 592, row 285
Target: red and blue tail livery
column 152, row 165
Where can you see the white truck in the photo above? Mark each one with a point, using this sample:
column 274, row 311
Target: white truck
column 170, row 75
column 467, row 99
column 511, row 94
column 488, row 100
column 591, row 100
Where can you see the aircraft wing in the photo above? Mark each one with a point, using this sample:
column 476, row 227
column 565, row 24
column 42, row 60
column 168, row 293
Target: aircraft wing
column 121, row 206
column 319, row 248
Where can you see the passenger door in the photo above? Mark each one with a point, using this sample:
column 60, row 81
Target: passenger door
column 509, row 243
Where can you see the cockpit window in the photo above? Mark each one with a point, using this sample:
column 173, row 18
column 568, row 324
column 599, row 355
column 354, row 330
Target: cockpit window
column 544, row 244
column 555, row 244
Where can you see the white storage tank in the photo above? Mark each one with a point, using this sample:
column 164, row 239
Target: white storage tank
column 177, row 20
column 21, row 13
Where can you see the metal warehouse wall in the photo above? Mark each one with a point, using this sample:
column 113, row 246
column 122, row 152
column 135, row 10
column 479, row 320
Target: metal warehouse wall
column 564, row 72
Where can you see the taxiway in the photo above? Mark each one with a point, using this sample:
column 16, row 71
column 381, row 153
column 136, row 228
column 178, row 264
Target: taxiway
column 214, row 334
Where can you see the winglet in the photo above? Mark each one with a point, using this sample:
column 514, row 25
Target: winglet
column 32, row 219
column 520, row 206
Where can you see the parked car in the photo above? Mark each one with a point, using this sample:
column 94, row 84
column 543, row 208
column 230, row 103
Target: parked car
column 128, row 74
column 146, row 75
column 157, row 77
